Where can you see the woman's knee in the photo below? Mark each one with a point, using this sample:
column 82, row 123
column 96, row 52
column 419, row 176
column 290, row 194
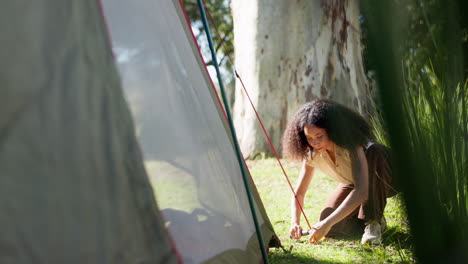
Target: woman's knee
column 326, row 212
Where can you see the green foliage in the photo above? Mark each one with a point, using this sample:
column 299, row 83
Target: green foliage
column 377, row 123
column 437, row 126
column 423, row 84
column 276, row 197
column 435, row 100
column 219, row 13
column 220, row 24
column 423, row 27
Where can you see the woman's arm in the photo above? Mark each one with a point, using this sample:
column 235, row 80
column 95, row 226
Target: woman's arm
column 305, row 177
column 352, row 201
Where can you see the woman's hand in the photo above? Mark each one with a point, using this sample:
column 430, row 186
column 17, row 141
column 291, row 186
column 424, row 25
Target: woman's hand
column 319, row 231
column 295, row 231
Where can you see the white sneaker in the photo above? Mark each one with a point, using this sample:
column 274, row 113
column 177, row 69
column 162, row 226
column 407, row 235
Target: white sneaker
column 373, row 233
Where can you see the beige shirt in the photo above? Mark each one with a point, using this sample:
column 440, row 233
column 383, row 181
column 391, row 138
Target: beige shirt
column 340, row 170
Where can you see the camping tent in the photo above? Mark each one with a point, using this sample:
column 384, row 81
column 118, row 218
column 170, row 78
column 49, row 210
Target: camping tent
column 74, row 185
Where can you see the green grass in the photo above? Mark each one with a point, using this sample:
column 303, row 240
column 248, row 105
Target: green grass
column 276, row 196
column 167, row 190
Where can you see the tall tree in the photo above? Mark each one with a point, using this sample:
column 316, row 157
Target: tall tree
column 289, row 52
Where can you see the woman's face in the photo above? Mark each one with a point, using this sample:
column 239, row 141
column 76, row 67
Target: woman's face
column 318, row 138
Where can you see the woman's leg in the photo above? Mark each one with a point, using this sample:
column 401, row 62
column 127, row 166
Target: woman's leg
column 378, row 160
column 350, row 225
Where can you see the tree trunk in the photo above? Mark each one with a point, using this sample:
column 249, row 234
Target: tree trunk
column 289, row 52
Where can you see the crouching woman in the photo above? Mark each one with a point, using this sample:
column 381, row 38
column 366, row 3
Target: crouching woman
column 334, row 139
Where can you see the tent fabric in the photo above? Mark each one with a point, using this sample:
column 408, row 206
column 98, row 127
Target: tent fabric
column 187, row 149
column 73, row 187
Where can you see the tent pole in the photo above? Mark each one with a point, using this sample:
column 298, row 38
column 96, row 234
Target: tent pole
column 240, row 158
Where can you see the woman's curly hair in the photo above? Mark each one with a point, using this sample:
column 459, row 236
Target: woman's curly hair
column 345, row 127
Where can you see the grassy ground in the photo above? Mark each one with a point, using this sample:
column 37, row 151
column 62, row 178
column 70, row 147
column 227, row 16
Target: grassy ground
column 276, row 196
